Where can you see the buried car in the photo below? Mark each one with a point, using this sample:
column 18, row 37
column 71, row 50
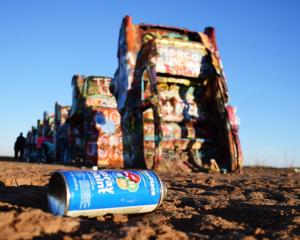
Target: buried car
column 172, row 95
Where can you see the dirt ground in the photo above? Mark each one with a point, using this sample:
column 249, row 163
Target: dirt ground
column 261, row 203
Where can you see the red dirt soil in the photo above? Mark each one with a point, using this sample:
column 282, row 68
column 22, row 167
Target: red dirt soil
column 261, row 203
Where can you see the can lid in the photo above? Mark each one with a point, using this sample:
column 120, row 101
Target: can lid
column 57, row 194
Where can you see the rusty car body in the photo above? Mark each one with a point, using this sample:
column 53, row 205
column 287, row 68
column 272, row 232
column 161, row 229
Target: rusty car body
column 172, row 95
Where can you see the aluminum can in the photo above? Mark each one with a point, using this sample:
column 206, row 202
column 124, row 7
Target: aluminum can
column 95, row 193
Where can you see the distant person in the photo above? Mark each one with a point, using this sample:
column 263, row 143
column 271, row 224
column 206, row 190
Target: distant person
column 19, row 147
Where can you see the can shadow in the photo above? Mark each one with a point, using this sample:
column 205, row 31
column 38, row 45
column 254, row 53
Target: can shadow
column 89, row 229
column 23, row 196
column 104, row 227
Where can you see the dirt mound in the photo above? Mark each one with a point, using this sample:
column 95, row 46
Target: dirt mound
column 261, row 203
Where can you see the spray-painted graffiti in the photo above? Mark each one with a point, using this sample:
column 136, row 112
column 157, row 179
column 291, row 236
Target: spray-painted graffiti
column 170, row 131
column 112, row 114
column 108, row 121
column 97, row 122
column 99, row 86
column 104, row 102
column 179, row 58
column 174, row 106
column 124, row 78
column 105, row 142
column 107, row 150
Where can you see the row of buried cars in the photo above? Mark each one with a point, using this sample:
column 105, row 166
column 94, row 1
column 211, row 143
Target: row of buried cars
column 166, row 108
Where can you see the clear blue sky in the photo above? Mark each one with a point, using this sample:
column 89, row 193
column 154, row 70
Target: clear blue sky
column 43, row 43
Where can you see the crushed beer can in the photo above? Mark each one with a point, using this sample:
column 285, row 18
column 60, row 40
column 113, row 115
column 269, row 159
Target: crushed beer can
column 95, row 193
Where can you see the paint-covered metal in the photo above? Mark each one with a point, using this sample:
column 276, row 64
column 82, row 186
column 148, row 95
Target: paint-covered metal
column 172, row 95
column 61, row 114
column 95, row 122
column 40, row 140
column 178, row 57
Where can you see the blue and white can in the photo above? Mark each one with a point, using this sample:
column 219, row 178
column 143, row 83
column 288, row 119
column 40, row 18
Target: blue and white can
column 95, row 193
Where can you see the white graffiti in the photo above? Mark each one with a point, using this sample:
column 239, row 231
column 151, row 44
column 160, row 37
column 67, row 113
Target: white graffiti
column 178, row 61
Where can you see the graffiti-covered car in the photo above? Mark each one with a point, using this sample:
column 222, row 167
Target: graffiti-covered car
column 61, row 136
column 39, row 141
column 172, row 96
column 95, row 122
